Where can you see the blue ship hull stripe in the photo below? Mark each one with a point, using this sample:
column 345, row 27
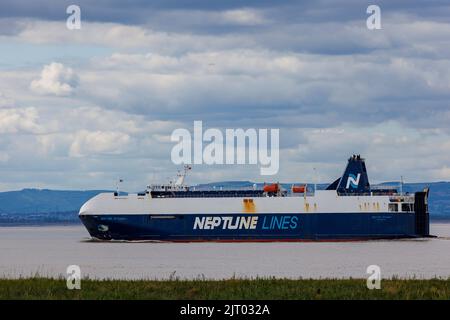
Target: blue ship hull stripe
column 251, row 227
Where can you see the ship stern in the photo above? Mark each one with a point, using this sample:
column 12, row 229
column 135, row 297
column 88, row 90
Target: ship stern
column 422, row 216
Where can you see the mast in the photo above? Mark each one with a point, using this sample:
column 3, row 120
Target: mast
column 401, row 184
column 181, row 176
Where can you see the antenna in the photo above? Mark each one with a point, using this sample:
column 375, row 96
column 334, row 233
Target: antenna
column 315, row 179
column 401, row 184
column 117, row 185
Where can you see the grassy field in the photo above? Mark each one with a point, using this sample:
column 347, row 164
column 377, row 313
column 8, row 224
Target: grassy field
column 42, row 288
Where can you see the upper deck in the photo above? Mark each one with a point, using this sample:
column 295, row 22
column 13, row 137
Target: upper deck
column 254, row 193
column 354, row 182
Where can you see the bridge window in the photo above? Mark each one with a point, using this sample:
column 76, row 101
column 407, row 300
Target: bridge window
column 407, row 207
column 393, row 207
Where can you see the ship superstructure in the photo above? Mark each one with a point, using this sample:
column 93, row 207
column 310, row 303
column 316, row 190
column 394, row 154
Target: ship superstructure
column 348, row 209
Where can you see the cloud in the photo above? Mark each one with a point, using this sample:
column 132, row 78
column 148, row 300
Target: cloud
column 138, row 12
column 255, row 29
column 55, row 79
column 6, row 102
column 134, row 12
column 14, row 120
column 98, row 142
column 442, row 173
column 140, row 70
column 290, row 89
column 391, row 149
column 246, row 17
column 4, row 157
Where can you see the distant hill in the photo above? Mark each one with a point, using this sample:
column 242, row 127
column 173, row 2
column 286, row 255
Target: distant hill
column 43, row 200
column 225, row 185
column 56, row 206
column 36, row 206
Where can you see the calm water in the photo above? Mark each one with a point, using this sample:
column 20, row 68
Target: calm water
column 25, row 251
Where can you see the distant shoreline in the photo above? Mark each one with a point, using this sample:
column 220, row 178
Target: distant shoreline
column 44, row 224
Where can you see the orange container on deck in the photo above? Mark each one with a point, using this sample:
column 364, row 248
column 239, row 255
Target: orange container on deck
column 298, row 189
column 271, row 187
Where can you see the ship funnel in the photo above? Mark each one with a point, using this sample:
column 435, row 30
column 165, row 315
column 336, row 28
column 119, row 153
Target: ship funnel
column 354, row 179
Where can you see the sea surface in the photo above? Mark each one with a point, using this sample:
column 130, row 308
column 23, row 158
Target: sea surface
column 48, row 251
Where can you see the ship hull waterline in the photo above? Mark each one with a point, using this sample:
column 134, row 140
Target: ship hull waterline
column 251, row 228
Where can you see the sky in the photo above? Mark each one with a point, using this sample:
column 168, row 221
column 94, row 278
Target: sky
column 80, row 109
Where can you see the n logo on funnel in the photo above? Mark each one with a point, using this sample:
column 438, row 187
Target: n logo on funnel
column 353, row 181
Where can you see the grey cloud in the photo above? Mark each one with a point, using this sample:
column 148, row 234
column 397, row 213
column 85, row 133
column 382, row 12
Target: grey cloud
column 156, row 12
column 10, row 27
column 252, row 87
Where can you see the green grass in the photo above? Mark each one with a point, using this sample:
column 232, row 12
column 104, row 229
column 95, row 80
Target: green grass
column 43, row 288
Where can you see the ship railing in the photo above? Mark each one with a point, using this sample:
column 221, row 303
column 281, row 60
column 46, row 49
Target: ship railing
column 224, row 188
column 402, row 198
column 167, row 187
column 207, row 194
column 353, row 194
column 383, row 187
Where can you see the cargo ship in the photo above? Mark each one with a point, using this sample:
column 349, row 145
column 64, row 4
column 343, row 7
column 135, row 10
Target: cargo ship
column 348, row 209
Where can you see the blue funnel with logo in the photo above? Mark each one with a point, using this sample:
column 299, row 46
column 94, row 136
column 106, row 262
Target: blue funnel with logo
column 354, row 179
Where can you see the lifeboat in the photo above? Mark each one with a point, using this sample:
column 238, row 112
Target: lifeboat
column 271, row 188
column 299, row 189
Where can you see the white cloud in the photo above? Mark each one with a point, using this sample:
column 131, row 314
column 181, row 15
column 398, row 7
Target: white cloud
column 244, row 17
column 89, row 143
column 55, row 79
column 442, row 174
column 15, row 120
column 6, row 102
column 125, row 37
